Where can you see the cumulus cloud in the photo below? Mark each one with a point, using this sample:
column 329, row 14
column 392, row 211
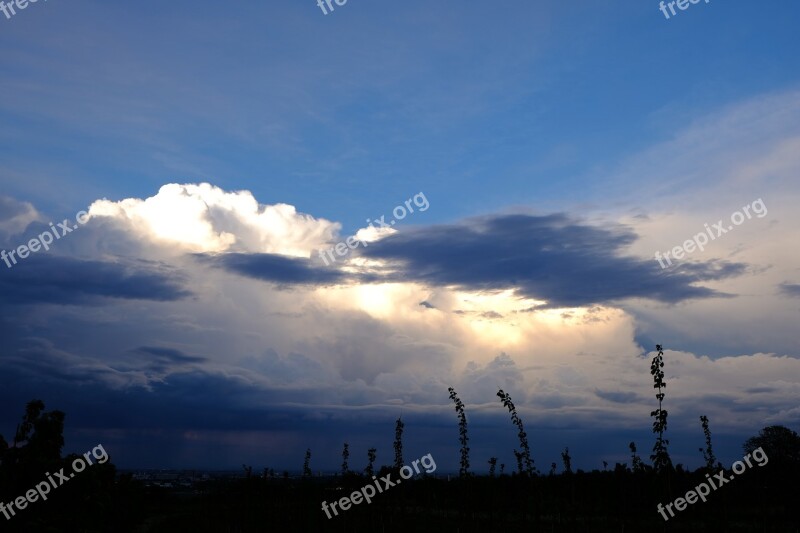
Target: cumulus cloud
column 198, row 289
column 204, row 218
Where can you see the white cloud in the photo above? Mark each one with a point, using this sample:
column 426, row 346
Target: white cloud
column 204, row 218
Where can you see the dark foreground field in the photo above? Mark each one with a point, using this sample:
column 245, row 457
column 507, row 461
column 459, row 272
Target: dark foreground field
column 88, row 495
column 762, row 500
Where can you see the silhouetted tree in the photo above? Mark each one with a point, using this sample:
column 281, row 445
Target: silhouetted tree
column 35, row 455
column 636, row 462
column 519, row 457
column 345, row 457
column 37, row 445
column 462, row 432
column 567, row 461
column 781, row 444
column 307, row 464
column 523, row 437
column 708, row 452
column 492, row 465
column 660, row 455
column 371, row 456
column 398, row 443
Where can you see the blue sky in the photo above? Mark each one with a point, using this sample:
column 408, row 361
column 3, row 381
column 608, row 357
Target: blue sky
column 559, row 144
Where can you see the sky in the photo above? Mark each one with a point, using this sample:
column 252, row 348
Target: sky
column 503, row 182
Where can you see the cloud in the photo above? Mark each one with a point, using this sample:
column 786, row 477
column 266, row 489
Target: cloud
column 387, row 329
column 551, row 257
column 275, row 268
column 170, row 355
column 618, row 396
column 15, row 216
column 790, row 289
column 760, row 390
column 64, row 280
column 204, row 218
column 485, row 380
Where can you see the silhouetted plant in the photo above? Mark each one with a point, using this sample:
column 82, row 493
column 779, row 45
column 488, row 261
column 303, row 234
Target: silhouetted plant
column 398, row 443
column 492, row 465
column 248, row 471
column 462, row 432
column 523, row 437
column 636, row 462
column 306, row 464
column 708, row 453
column 502, row 468
column 553, row 469
column 660, row 456
column 371, row 455
column 567, row 461
column 605, row 466
column 519, row 456
column 345, row 457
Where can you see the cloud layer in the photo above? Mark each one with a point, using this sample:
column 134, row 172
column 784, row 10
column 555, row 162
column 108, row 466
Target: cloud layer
column 202, row 314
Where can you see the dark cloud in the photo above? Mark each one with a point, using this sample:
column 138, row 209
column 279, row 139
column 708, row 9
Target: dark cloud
column 790, row 289
column 180, row 401
column 760, row 390
column 170, row 355
column 553, row 258
column 62, row 280
column 617, row 397
column 274, row 268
